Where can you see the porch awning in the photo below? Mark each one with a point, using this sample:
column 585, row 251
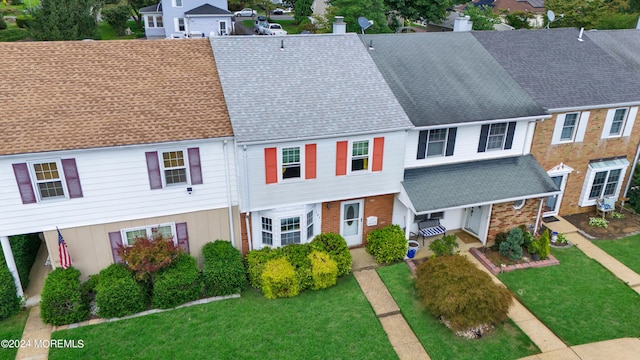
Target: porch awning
column 611, row 163
column 437, row 188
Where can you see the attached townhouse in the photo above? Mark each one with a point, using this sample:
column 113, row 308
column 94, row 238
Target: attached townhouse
column 319, row 137
column 187, row 18
column 589, row 144
column 111, row 140
column 467, row 160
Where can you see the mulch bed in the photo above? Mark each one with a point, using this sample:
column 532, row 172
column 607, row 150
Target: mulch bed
column 618, row 228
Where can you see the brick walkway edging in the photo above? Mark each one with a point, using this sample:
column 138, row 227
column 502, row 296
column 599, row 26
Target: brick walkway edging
column 495, row 270
column 148, row 312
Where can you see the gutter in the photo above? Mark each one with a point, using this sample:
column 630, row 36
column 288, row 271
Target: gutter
column 591, row 107
column 328, row 136
column 228, row 181
column 535, row 118
column 247, row 214
column 543, row 195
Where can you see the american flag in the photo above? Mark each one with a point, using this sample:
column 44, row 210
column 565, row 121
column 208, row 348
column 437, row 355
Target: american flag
column 65, row 258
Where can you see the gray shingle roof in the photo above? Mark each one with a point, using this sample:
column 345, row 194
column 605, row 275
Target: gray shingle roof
column 446, row 78
column 558, row 70
column 207, row 9
column 623, row 45
column 456, row 185
column 151, row 9
column 318, row 85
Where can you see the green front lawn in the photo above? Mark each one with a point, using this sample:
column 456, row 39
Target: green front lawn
column 625, row 250
column 579, row 300
column 11, row 329
column 505, row 342
column 336, row 323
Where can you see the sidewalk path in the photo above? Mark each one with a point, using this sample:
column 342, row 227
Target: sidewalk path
column 35, row 333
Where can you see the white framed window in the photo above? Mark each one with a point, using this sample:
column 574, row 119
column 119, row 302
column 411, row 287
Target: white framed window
column 177, row 3
column 519, row 204
column 180, row 25
column 436, row 142
column 223, row 27
column 290, row 230
column 603, row 179
column 619, row 122
column 159, row 22
column 496, row 137
column 48, row 179
column 310, row 233
column 570, row 127
column 278, row 228
column 174, row 167
column 604, row 183
column 151, row 23
column 291, row 164
column 267, row 231
column 167, row 231
column 359, row 155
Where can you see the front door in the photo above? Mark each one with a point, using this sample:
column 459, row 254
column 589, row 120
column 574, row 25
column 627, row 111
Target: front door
column 351, row 221
column 474, row 218
column 552, row 203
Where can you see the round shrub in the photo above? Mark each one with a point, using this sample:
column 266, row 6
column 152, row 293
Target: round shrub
column 298, row 256
column 324, row 270
column 61, row 300
column 223, row 271
column 279, row 279
column 256, row 260
column 387, row 245
column 337, row 247
column 9, row 300
column 3, row 24
column 512, row 247
column 118, row 293
column 454, row 288
column 177, row 284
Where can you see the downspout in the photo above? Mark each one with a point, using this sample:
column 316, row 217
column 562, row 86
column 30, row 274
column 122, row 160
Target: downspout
column 535, row 229
column 246, row 186
column 229, row 205
column 11, row 264
column 633, row 168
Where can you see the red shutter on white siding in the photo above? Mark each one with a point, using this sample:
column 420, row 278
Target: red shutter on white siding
column 271, row 165
column 378, row 154
column 194, row 166
column 115, row 239
column 153, row 168
column 310, row 161
column 342, row 148
column 23, row 179
column 72, row 178
column 183, row 236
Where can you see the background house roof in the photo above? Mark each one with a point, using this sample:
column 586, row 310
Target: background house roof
column 302, row 86
column 151, row 9
column 477, row 182
column 558, row 70
column 85, row 94
column 623, row 45
column 207, row 9
column 447, row 78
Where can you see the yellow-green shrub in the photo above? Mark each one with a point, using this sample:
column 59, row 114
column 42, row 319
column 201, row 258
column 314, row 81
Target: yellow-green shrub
column 324, row 270
column 279, row 279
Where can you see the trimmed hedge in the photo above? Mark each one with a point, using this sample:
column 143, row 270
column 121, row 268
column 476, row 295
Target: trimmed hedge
column 61, row 302
column 454, row 288
column 279, row 279
column 387, row 245
column 223, row 271
column 256, row 260
column 9, row 35
column 9, row 300
column 25, row 249
column 337, row 247
column 179, row 283
column 324, row 270
column 117, row 292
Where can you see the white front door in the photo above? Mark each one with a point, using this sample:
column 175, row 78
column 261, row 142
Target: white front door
column 552, row 203
column 351, row 221
column 474, row 219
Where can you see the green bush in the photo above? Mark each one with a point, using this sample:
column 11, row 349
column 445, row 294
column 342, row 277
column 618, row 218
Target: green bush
column 541, row 246
column 117, row 293
column 223, row 271
column 61, row 301
column 88, row 288
column 324, row 270
column 388, row 244
column 279, row 279
column 500, row 238
column 177, row 284
column 3, row 24
column 444, row 246
column 23, row 22
column 13, row 35
column 9, row 300
column 512, row 247
column 116, row 16
column 454, row 288
column 337, row 248
column 24, row 249
column 255, row 262
column 298, row 256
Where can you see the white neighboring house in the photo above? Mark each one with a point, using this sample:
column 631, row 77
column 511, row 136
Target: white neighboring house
column 187, row 18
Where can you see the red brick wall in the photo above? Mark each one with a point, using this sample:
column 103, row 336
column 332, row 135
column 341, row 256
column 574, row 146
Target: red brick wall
column 243, row 232
column 504, row 217
column 578, row 155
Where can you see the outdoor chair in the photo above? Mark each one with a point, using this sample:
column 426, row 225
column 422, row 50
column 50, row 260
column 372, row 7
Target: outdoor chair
column 605, row 206
column 429, row 228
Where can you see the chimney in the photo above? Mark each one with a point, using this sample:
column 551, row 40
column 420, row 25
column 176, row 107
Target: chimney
column 339, row 26
column 462, row 24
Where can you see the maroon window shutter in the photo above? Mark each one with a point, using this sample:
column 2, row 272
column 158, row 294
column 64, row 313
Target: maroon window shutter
column 71, row 176
column 24, row 183
column 183, row 236
column 194, row 166
column 115, row 238
column 153, row 168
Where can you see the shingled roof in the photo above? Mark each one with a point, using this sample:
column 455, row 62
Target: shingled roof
column 87, row 94
column 559, row 71
column 302, row 86
column 624, row 45
column 448, row 78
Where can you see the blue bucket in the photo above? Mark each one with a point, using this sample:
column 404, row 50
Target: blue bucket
column 411, row 253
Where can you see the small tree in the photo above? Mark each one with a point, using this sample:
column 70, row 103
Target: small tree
column 482, row 16
column 148, row 256
column 512, row 247
column 117, row 16
column 65, row 20
column 444, row 246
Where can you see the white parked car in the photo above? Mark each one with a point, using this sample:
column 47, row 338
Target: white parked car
column 246, row 12
column 274, row 29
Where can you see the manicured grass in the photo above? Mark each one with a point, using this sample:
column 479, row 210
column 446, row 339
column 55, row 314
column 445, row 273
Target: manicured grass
column 504, row 342
column 579, row 300
column 11, row 329
column 336, row 323
column 625, row 250
column 107, row 32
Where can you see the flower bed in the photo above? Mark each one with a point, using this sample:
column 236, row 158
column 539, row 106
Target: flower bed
column 499, row 268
